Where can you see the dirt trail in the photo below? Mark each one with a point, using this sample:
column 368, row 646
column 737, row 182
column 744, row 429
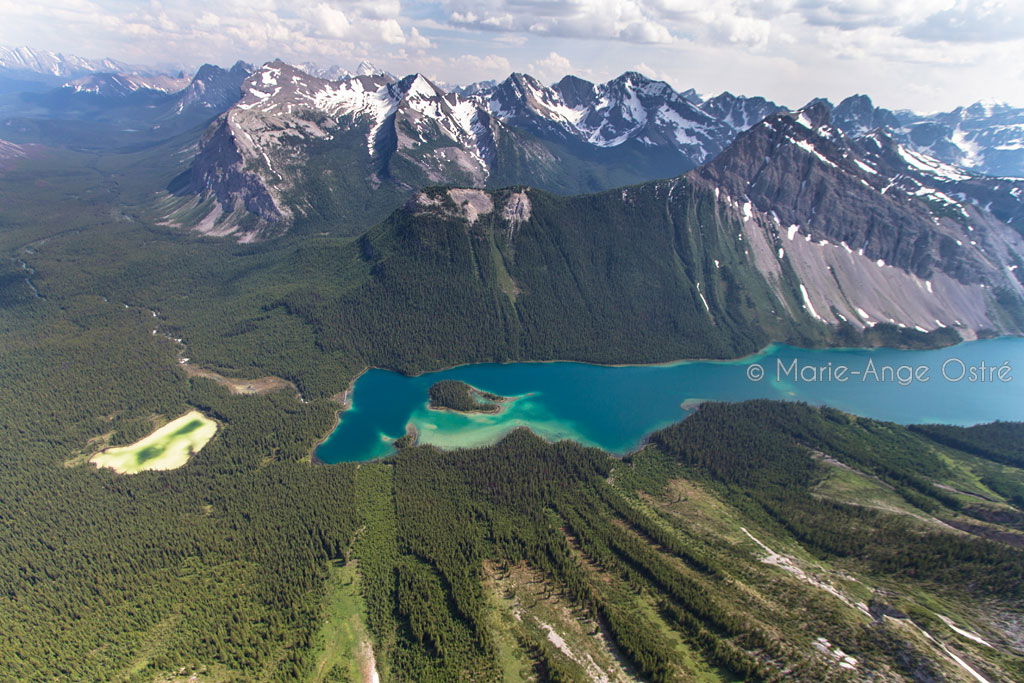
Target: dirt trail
column 368, row 663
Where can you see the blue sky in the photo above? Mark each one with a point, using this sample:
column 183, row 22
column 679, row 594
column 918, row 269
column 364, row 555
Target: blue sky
column 920, row 54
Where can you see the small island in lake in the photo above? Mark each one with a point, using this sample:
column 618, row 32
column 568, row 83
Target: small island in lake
column 450, row 394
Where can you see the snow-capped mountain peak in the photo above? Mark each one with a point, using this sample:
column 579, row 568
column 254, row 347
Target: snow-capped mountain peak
column 455, row 133
column 365, row 68
column 56, row 64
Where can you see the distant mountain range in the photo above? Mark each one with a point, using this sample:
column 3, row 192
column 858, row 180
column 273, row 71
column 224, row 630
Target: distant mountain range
column 847, row 214
column 984, row 137
column 282, row 154
column 27, row 61
column 101, row 109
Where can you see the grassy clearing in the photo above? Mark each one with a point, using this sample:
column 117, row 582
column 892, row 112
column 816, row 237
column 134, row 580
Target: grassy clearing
column 343, row 651
column 168, row 448
column 844, row 484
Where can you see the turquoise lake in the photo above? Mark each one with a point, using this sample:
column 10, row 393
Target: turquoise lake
column 615, row 407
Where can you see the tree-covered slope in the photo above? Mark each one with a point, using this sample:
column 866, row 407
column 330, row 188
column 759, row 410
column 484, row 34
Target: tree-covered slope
column 648, row 273
column 727, row 549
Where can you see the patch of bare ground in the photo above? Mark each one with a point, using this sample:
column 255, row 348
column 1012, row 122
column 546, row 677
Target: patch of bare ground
column 368, row 663
column 261, row 385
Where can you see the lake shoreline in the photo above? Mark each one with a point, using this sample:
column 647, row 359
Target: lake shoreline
column 750, row 358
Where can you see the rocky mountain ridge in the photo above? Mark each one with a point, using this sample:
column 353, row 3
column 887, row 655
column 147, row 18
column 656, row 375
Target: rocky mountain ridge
column 872, row 231
column 985, row 137
column 571, row 137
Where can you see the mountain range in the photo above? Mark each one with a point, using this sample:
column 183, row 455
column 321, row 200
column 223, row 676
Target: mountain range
column 848, row 215
column 573, row 136
column 985, row 137
column 34, row 63
column 378, row 137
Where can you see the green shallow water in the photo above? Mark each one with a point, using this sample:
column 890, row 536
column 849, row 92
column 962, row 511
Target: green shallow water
column 615, row 407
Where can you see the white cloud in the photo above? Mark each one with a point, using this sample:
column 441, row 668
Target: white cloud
column 333, row 21
column 551, row 68
column 628, row 20
column 850, row 15
column 416, row 40
column 973, row 21
column 211, row 30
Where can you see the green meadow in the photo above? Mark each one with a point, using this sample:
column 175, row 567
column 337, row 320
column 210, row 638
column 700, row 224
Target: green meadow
column 168, row 448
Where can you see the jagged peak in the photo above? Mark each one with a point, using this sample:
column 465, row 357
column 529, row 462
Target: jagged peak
column 823, row 102
column 206, row 71
column 856, row 100
column 365, row 68
column 692, row 96
column 280, row 67
column 632, row 77
column 724, row 96
column 818, row 112
column 575, row 91
column 521, row 81
column 569, row 80
column 637, row 82
column 419, row 86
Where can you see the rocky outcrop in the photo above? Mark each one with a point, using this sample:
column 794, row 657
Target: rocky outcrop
column 871, row 231
column 220, row 171
column 809, row 177
column 212, row 89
